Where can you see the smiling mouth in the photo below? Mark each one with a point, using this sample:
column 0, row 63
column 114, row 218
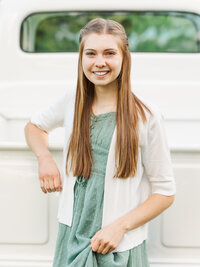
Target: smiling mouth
column 101, row 73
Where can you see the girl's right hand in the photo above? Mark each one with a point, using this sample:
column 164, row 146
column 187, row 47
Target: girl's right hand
column 49, row 175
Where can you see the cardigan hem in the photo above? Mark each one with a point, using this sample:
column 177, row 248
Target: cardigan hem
column 120, row 248
column 135, row 244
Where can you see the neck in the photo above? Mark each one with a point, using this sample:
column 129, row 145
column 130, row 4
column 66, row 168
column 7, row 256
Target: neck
column 105, row 99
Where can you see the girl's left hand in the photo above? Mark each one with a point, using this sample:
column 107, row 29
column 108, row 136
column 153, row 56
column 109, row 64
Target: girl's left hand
column 108, row 238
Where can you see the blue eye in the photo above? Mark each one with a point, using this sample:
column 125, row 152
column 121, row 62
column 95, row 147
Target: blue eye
column 107, row 53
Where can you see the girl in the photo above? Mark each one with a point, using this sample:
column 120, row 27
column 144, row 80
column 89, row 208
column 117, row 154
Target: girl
column 117, row 173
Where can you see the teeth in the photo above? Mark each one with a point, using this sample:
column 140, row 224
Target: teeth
column 101, row 73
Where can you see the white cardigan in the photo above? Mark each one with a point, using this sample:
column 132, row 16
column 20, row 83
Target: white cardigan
column 154, row 168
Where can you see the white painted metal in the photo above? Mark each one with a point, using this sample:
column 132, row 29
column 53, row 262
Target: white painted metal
column 30, row 81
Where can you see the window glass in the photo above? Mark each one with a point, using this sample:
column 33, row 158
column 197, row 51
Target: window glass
column 147, row 31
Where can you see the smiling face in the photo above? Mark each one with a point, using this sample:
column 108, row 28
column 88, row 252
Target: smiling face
column 102, row 59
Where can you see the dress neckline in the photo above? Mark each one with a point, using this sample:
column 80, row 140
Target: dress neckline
column 102, row 115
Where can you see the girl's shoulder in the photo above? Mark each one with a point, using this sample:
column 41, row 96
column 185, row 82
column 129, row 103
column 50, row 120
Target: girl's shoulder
column 154, row 120
column 68, row 95
column 155, row 113
column 64, row 103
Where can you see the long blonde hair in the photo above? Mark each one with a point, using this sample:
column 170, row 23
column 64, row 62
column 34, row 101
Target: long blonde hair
column 129, row 108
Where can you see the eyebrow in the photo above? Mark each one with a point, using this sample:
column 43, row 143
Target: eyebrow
column 104, row 50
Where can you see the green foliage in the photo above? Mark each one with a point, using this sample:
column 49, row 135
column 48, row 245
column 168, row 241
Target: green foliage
column 146, row 31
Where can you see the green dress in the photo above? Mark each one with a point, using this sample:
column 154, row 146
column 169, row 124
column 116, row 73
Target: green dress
column 73, row 243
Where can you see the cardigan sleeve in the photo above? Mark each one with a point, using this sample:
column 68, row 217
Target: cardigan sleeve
column 52, row 116
column 156, row 156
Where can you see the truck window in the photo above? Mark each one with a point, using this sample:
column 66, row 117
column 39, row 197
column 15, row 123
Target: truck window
column 148, row 31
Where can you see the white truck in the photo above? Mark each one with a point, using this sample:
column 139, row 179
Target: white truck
column 38, row 62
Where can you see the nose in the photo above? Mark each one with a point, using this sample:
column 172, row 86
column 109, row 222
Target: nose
column 100, row 62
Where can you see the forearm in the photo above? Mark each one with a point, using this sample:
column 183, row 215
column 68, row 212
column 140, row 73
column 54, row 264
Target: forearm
column 37, row 140
column 148, row 210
